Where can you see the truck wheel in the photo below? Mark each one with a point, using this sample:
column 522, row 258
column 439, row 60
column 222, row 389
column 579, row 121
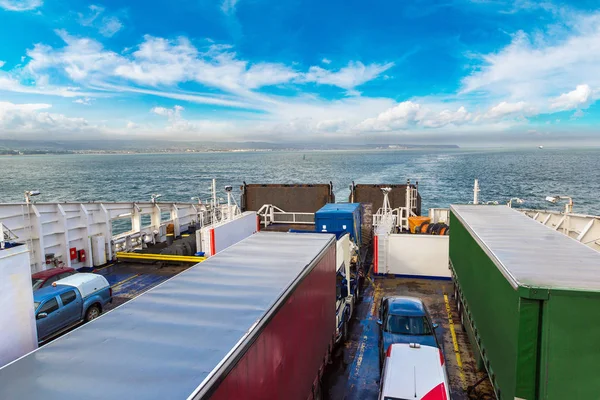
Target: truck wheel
column 345, row 332
column 92, row 313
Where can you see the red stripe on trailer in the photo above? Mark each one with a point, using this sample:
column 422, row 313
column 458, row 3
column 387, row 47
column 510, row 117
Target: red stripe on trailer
column 258, row 223
column 376, row 254
column 437, row 393
column 213, row 244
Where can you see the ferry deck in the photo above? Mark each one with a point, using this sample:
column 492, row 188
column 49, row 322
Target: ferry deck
column 355, row 372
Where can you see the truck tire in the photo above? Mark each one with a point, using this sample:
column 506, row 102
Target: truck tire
column 345, row 332
column 92, row 313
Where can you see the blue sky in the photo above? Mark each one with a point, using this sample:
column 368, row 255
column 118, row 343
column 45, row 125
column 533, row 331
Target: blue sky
column 380, row 71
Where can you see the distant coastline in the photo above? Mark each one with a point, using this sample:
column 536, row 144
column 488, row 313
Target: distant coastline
column 23, row 148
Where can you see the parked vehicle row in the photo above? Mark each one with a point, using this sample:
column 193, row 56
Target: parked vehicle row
column 48, row 277
column 411, row 358
column 67, row 302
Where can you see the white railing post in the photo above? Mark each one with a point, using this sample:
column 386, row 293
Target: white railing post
column 107, row 231
column 87, row 239
column 175, row 218
column 65, row 245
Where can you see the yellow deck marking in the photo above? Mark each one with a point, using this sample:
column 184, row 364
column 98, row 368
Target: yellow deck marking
column 455, row 342
column 125, row 280
column 106, row 266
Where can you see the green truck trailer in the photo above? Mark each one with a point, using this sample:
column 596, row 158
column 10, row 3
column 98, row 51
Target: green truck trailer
column 529, row 298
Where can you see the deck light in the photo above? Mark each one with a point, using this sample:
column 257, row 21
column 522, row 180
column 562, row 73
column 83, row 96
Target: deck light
column 556, row 199
column 30, row 193
column 516, row 200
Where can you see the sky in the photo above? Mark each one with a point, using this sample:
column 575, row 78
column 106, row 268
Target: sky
column 380, row 71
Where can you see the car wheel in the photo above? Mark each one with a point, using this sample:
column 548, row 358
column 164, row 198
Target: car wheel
column 92, row 313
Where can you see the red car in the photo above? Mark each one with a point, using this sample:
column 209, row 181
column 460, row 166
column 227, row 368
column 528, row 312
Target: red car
column 49, row 276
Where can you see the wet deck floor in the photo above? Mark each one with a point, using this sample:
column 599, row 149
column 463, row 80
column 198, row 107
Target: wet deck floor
column 354, row 373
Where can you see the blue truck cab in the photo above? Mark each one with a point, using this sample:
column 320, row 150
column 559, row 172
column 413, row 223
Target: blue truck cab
column 69, row 301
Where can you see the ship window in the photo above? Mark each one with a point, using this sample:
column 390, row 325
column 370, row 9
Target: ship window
column 50, row 306
column 405, row 325
column 68, row 297
column 37, row 283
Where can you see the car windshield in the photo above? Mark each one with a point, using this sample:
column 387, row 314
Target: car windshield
column 36, row 283
column 404, row 325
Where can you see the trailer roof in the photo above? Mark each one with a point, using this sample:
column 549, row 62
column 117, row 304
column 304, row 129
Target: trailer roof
column 339, row 207
column 168, row 342
column 528, row 253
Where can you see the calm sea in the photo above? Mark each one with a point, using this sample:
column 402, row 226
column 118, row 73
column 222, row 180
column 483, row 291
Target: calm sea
column 444, row 177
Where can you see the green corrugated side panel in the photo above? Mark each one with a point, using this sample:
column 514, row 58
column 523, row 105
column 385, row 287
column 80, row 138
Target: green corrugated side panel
column 493, row 306
column 528, row 348
column 570, row 347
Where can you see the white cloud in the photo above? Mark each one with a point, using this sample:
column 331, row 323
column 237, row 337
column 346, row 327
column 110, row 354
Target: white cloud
column 171, row 113
column 10, row 84
column 163, row 62
column 80, row 58
column 86, row 101
column 20, row 5
column 507, row 109
column 409, row 114
column 228, row 6
column 576, row 99
column 400, row 116
column 28, row 118
column 88, row 20
column 132, row 125
column 544, row 65
column 446, row 117
column 177, row 123
column 7, row 106
column 2, row 63
column 349, row 77
column 110, row 26
column 326, row 61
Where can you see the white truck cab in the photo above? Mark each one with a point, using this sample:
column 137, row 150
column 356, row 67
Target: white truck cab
column 411, row 371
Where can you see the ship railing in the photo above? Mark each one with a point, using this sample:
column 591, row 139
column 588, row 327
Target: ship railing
column 397, row 217
column 581, row 227
column 271, row 214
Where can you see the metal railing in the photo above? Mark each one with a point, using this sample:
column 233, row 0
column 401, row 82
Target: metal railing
column 270, row 214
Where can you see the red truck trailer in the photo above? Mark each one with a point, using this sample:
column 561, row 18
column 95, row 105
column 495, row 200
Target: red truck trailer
column 256, row 321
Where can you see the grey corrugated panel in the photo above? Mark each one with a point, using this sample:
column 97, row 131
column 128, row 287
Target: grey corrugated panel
column 529, row 253
column 166, row 342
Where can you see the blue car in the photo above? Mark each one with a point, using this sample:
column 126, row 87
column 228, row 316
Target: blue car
column 404, row 320
column 68, row 302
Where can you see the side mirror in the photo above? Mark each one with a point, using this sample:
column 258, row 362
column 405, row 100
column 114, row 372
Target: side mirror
column 435, row 326
column 41, row 315
column 379, row 322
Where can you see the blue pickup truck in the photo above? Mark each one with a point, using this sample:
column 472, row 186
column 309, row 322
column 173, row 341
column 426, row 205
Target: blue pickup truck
column 69, row 301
